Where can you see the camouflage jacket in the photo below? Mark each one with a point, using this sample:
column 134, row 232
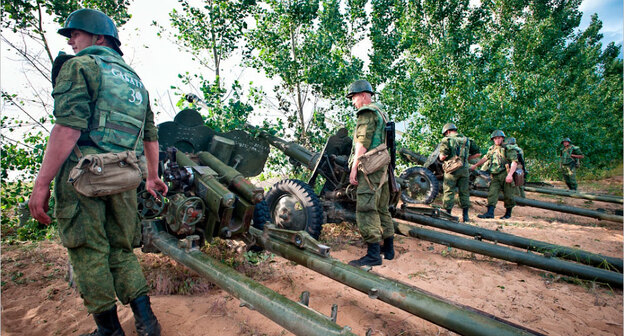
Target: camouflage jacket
column 453, row 145
column 567, row 159
column 370, row 126
column 499, row 157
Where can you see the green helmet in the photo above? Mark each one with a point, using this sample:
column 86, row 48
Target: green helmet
column 511, row 141
column 93, row 22
column 496, row 134
column 566, row 139
column 448, row 127
column 360, row 85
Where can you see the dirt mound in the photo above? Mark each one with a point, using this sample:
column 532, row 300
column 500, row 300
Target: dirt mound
column 37, row 300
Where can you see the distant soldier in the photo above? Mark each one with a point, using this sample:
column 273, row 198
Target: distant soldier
column 456, row 145
column 504, row 162
column 511, row 143
column 570, row 160
column 373, row 195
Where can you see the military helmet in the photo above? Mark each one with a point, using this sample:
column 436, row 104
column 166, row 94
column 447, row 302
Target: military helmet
column 360, row 85
column 511, row 141
column 497, row 133
column 93, row 22
column 566, row 139
column 448, row 127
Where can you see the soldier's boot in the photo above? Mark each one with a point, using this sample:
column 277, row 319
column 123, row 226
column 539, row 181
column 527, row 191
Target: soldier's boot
column 388, row 248
column 465, row 215
column 107, row 324
column 448, row 211
column 372, row 257
column 489, row 213
column 144, row 319
column 507, row 214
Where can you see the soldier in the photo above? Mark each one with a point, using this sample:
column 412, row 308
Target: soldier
column 511, row 143
column 503, row 163
column 372, row 215
column 99, row 232
column 456, row 145
column 570, row 160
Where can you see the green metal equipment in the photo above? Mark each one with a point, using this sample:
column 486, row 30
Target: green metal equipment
column 576, row 194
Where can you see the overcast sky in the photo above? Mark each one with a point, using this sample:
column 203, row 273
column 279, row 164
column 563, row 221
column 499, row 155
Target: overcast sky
column 159, row 62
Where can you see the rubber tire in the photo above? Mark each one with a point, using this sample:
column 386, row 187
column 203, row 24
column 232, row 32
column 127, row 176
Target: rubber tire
column 426, row 174
column 261, row 215
column 303, row 193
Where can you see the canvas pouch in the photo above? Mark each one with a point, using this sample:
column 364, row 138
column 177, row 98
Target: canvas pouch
column 106, row 174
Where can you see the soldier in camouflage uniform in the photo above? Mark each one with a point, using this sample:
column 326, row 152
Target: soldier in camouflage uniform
column 454, row 144
column 100, row 106
column 511, row 143
column 570, row 160
column 373, row 195
column 503, row 163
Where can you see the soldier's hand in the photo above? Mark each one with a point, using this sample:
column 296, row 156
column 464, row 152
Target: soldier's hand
column 38, row 204
column 353, row 177
column 472, row 168
column 156, row 184
column 509, row 178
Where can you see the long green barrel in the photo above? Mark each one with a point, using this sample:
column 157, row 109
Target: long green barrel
column 293, row 150
column 460, row 319
column 506, row 253
column 293, row 316
column 216, row 194
column 233, row 178
column 556, row 207
column 573, row 254
column 576, row 194
column 413, row 156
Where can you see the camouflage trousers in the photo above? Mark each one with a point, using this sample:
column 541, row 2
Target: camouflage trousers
column 569, row 176
column 371, row 211
column 509, row 190
column 99, row 234
column 459, row 180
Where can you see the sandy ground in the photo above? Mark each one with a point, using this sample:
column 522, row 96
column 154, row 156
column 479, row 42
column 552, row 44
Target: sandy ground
column 37, row 300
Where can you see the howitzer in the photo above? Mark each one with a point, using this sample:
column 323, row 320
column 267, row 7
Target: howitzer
column 209, row 198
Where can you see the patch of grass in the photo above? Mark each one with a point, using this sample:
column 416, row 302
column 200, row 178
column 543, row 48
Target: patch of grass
column 339, row 236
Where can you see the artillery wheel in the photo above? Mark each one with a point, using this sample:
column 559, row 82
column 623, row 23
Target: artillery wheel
column 261, row 215
column 422, row 186
column 293, row 205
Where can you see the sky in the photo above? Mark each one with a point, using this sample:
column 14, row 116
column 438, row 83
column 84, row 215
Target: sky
column 158, row 61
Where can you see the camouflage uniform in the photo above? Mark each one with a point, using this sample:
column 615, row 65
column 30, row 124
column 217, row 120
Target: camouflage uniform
column 98, row 232
column 499, row 156
column 568, row 165
column 451, row 146
column 372, row 215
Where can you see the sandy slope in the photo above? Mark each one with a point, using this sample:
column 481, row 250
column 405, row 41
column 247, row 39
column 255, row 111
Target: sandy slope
column 36, row 299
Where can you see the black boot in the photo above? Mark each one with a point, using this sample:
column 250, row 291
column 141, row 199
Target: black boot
column 489, row 213
column 388, row 248
column 145, row 320
column 448, row 211
column 107, row 324
column 507, row 213
column 465, row 215
column 372, row 257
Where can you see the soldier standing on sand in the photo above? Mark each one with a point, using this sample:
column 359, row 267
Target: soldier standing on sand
column 454, row 144
column 100, row 105
column 570, row 160
column 373, row 195
column 503, row 163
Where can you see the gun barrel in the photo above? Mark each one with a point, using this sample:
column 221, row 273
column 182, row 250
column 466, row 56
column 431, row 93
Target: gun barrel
column 413, row 156
column 233, row 178
column 293, row 316
column 576, row 194
column 293, row 150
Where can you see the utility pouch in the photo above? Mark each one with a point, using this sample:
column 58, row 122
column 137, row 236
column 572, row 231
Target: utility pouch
column 518, row 176
column 106, row 174
column 452, row 164
column 375, row 159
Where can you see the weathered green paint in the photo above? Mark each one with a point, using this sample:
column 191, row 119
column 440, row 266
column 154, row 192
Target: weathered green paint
column 233, row 178
column 506, row 253
column 293, row 150
column 573, row 254
column 452, row 316
column 556, row 207
column 576, row 194
column 291, row 315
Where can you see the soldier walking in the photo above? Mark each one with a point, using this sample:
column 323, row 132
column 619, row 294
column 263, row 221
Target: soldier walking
column 100, row 105
column 503, row 162
column 373, row 195
column 455, row 145
column 570, row 160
